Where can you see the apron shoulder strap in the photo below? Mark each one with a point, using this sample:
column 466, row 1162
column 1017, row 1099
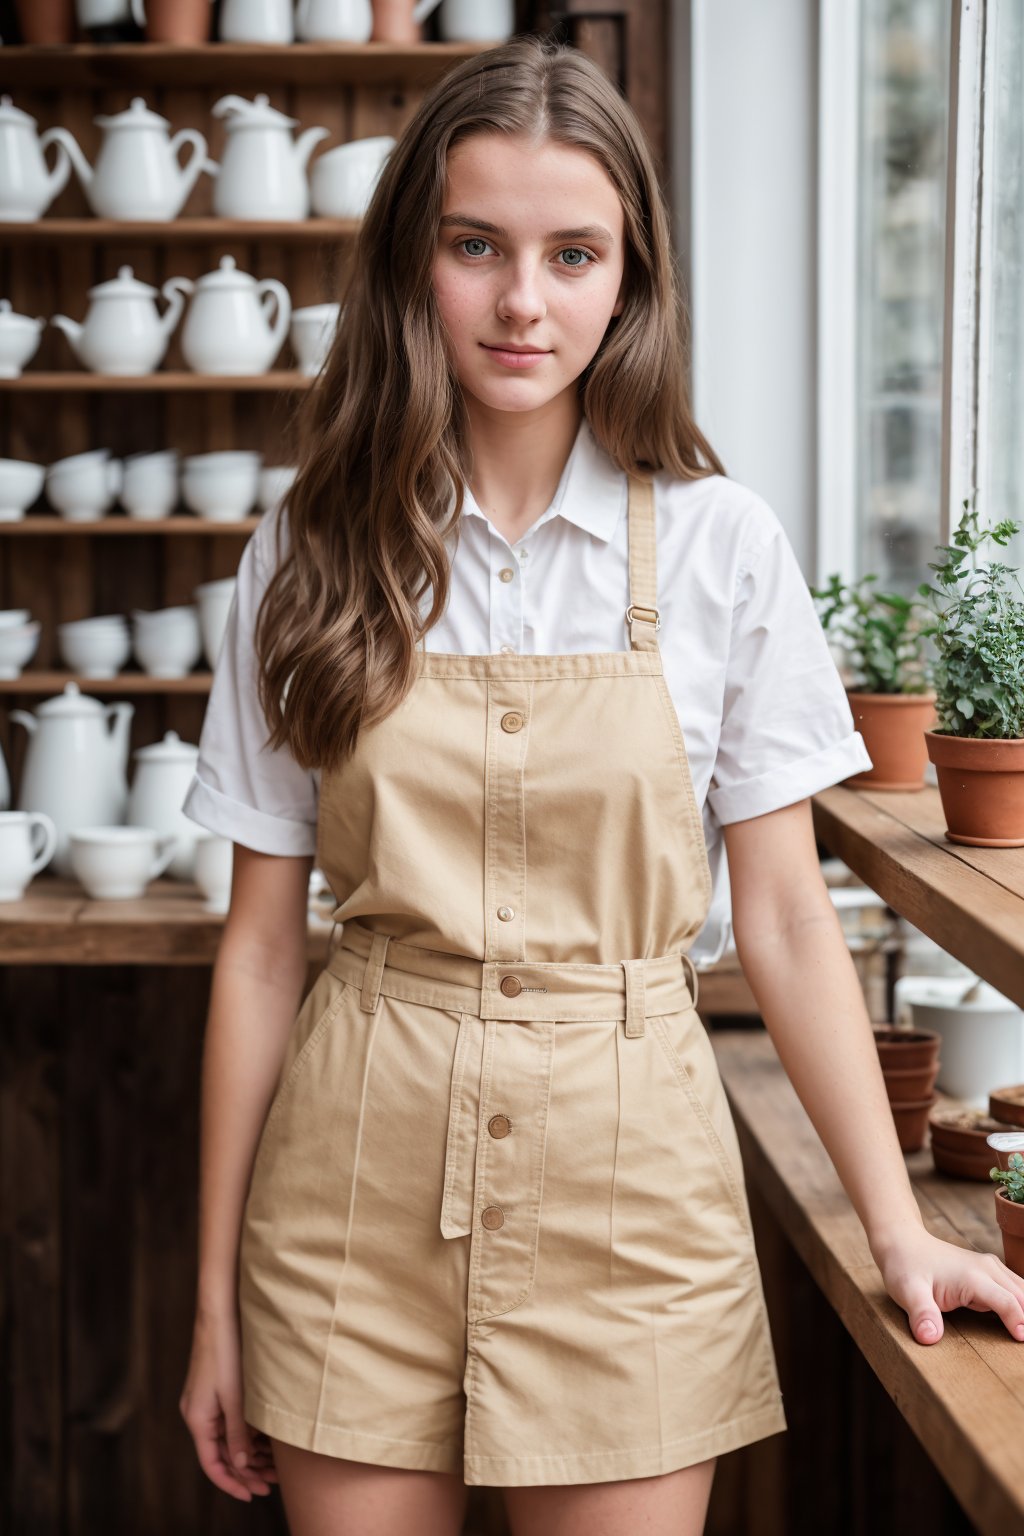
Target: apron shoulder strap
column 642, row 615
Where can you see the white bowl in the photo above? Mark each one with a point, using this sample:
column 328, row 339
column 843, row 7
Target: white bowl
column 18, row 644
column 223, row 495
column 20, row 485
column 114, row 624
column 168, row 648
column 16, row 616
column 183, row 614
column 79, row 461
column 342, row 181
column 101, row 654
column 228, row 458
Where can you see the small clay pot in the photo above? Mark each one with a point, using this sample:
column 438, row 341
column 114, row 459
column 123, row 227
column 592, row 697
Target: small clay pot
column 904, row 1084
column 900, row 1048
column 912, row 1121
column 1010, row 1216
column 185, row 22
column 393, row 23
column 46, row 22
column 1007, row 1104
column 981, row 786
column 893, row 727
column 959, row 1141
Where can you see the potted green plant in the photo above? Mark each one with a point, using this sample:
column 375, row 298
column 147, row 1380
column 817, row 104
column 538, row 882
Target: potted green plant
column 1010, row 1210
column 882, row 636
column 978, row 674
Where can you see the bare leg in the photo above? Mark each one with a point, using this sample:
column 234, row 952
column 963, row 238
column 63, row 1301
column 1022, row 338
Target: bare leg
column 329, row 1496
column 674, row 1504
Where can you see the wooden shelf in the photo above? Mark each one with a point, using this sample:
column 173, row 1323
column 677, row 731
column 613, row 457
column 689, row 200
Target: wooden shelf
column 178, row 231
column 969, row 900
column 37, row 523
column 124, row 682
column 137, row 64
column 964, row 1396
column 155, row 383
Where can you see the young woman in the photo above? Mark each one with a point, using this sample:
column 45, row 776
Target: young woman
column 509, row 661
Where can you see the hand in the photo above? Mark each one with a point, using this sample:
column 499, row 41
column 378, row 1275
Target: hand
column 928, row 1277
column 211, row 1405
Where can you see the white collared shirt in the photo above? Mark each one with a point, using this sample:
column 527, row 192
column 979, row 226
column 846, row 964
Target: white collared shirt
column 761, row 704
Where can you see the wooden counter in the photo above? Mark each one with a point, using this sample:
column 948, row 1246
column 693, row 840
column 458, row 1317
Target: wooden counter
column 964, row 1396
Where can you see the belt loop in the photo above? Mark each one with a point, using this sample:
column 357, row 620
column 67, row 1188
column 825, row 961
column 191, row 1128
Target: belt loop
column 370, row 995
column 635, row 1003
column 694, row 978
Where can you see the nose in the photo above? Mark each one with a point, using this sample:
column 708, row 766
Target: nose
column 520, row 298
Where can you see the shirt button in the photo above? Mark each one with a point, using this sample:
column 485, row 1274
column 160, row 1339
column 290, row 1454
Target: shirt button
column 524, row 554
column 512, row 721
column 499, row 1125
column 492, row 1217
column 508, row 574
column 508, row 650
column 511, row 986
column 506, row 914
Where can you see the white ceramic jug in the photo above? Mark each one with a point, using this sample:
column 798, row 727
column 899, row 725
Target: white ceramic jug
column 163, row 772
column 75, row 764
column 27, row 185
column 137, row 174
column 262, row 174
column 334, row 21
column 124, row 332
column 228, row 329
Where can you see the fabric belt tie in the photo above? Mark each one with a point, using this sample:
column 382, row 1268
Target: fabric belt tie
column 373, row 975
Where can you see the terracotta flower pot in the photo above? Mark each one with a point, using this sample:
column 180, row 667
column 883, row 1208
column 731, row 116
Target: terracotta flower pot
column 900, row 1048
column 46, row 21
column 959, row 1141
column 1010, row 1216
column 393, row 23
column 178, row 21
column 912, row 1121
column 893, row 726
column 903, row 1084
column 1007, row 1105
column 981, row 785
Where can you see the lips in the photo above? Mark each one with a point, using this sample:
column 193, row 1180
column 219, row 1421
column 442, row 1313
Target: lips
column 526, row 351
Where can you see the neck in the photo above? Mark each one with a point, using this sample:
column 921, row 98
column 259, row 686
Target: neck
column 517, row 459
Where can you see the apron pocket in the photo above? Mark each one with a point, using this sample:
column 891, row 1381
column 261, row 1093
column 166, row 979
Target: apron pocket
column 311, row 1023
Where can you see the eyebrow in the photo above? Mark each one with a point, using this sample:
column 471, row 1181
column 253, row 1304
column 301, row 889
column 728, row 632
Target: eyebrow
column 587, row 232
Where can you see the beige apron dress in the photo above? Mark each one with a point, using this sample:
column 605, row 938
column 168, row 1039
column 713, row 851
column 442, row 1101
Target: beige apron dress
column 497, row 1223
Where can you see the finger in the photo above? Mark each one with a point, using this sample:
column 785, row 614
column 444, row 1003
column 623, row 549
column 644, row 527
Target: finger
column 239, row 1452
column 924, row 1315
column 990, row 1294
column 209, row 1450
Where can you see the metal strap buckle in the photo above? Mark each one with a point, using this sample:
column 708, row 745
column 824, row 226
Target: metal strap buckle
column 640, row 611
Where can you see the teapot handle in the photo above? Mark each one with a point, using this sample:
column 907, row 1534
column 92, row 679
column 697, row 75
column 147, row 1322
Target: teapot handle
column 270, row 290
column 197, row 162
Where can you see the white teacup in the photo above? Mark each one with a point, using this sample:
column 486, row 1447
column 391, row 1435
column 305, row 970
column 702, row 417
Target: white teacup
column 82, row 488
column 98, row 652
column 214, row 598
column 20, row 484
column 150, row 488
column 341, row 182
column 221, row 487
column 168, row 646
column 311, row 333
column 117, row 863
column 18, row 644
column 28, row 841
column 214, row 857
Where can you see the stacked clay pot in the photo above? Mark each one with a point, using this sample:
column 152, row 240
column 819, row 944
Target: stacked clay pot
column 910, row 1065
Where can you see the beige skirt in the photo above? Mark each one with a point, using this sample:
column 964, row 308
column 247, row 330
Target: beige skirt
column 517, row 1248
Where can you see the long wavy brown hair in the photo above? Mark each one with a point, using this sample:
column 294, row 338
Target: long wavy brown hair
column 385, row 428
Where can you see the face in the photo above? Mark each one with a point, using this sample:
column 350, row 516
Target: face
column 530, row 256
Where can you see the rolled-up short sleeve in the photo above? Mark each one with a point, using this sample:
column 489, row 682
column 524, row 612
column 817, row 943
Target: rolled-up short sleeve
column 240, row 789
column 787, row 730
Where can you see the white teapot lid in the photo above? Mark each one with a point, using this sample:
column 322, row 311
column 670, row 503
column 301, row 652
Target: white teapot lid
column 9, row 113
column 71, row 702
column 242, row 113
column 10, row 317
column 124, row 285
column 138, row 115
column 226, row 275
column 170, row 750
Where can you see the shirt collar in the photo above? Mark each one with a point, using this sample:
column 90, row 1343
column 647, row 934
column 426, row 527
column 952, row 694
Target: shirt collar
column 591, row 493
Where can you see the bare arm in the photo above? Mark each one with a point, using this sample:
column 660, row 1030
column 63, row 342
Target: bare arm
column 258, row 980
column 794, row 955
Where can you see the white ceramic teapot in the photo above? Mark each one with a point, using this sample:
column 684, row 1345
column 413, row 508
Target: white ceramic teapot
column 124, row 332
column 227, row 329
column 334, row 21
column 27, row 185
column 75, row 764
column 19, row 338
column 137, row 174
column 163, row 773
column 262, row 174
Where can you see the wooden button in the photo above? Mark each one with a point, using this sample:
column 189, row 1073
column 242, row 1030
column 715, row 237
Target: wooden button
column 507, row 574
column 499, row 1125
column 511, row 986
column 506, row 914
column 512, row 721
column 492, row 1217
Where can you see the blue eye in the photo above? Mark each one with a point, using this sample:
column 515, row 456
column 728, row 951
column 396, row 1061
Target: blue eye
column 576, row 250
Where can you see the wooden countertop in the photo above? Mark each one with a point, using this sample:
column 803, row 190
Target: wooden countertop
column 964, row 1396
column 969, row 900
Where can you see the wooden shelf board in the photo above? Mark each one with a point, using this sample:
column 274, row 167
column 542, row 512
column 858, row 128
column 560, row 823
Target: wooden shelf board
column 969, row 900
column 124, row 682
column 36, row 523
column 154, row 383
column 953, row 1393
column 135, row 64
column 177, row 231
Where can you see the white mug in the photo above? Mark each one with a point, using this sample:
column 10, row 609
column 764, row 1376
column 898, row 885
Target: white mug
column 257, row 21
column 20, row 858
column 117, row 863
column 214, row 858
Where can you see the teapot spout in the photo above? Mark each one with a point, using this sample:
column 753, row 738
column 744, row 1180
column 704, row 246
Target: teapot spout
column 72, row 330
column 307, row 142
column 22, row 717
